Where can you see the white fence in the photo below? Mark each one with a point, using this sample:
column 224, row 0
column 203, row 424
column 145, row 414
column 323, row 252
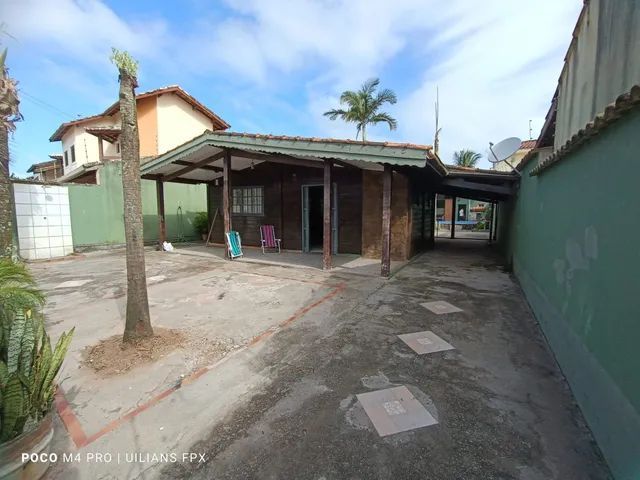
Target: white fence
column 43, row 220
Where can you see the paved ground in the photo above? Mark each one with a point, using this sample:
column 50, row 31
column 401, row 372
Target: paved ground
column 285, row 406
column 342, row 263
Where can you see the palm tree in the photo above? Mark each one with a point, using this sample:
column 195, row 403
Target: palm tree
column 466, row 158
column 138, row 320
column 363, row 107
column 9, row 114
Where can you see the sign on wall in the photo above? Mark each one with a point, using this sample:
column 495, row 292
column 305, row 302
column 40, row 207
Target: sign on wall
column 43, row 220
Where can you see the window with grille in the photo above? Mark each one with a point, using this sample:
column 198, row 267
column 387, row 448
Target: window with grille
column 248, row 201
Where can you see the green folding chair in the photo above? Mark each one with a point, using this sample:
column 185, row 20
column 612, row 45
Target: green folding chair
column 233, row 244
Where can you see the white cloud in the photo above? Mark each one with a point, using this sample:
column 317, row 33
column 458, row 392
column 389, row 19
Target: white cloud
column 495, row 62
column 84, row 30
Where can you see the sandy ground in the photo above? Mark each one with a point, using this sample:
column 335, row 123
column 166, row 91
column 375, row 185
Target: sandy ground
column 283, row 405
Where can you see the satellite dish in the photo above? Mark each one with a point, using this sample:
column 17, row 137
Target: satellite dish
column 504, row 149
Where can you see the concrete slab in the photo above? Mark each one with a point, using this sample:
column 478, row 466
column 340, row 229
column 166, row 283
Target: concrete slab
column 72, row 283
column 395, row 410
column 440, row 306
column 343, row 262
column 284, row 406
column 425, row 342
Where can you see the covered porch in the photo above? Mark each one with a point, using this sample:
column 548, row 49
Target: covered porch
column 355, row 198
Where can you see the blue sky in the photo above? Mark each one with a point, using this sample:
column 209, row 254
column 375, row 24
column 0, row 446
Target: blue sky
column 273, row 66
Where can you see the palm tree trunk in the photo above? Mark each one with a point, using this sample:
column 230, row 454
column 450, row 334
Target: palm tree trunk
column 6, row 200
column 138, row 321
column 364, row 132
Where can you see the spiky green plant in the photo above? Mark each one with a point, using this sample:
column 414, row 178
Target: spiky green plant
column 27, row 374
column 28, row 364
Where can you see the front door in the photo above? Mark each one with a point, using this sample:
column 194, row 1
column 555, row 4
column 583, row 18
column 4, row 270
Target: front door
column 313, row 218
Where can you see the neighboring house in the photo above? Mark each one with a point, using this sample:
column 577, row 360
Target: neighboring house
column 167, row 117
column 571, row 233
column 516, row 158
column 47, row 171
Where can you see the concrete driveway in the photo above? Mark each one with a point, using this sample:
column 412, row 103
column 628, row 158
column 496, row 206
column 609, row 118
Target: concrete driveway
column 284, row 404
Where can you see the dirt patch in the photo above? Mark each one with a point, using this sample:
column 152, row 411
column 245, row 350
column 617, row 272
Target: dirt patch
column 112, row 357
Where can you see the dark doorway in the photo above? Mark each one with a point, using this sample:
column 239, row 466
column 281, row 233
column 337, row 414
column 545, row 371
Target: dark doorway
column 316, row 221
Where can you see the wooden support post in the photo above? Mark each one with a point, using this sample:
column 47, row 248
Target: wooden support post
column 100, row 150
column 434, row 217
column 495, row 226
column 326, row 210
column 454, row 215
column 423, row 219
column 226, row 193
column 162, row 225
column 385, row 269
column 491, row 224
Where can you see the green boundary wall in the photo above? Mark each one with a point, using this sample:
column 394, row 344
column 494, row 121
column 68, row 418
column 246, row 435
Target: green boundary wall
column 572, row 237
column 97, row 210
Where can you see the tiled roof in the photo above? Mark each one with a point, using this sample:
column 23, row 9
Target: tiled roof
column 528, row 144
column 115, row 107
column 426, row 148
column 613, row 112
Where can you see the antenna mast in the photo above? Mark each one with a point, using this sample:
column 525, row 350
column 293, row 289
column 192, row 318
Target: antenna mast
column 436, row 140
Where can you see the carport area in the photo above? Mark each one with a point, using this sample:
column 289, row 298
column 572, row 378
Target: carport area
column 277, row 395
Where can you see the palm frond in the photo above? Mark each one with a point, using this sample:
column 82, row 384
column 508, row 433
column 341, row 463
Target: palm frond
column 466, row 158
column 384, row 118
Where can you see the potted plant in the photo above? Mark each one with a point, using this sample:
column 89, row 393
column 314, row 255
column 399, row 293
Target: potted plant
column 201, row 224
column 28, row 369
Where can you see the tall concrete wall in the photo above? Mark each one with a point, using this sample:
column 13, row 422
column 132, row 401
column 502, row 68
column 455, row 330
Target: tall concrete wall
column 97, row 210
column 602, row 63
column 572, row 235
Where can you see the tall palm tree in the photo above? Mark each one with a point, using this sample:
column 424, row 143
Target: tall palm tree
column 363, row 107
column 466, row 158
column 9, row 114
column 138, row 320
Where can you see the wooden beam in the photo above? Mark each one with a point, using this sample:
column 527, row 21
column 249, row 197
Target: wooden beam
column 387, row 175
column 477, row 186
column 151, row 176
column 194, row 166
column 326, row 211
column 279, row 158
column 162, row 226
column 202, row 167
column 454, row 216
column 226, row 190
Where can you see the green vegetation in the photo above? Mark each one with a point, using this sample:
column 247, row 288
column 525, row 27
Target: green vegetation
column 466, row 158
column 363, row 107
column 28, row 363
column 201, row 223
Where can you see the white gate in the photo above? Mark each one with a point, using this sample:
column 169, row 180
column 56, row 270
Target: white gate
column 44, row 221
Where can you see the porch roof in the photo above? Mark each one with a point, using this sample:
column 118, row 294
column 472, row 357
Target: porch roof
column 206, row 151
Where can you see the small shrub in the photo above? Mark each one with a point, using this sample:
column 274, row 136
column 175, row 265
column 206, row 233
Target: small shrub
column 201, row 223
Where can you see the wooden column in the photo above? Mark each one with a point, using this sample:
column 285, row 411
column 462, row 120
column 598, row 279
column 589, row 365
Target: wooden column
column 162, row 226
column 495, row 226
column 385, row 269
column 226, row 193
column 100, row 150
column 423, row 219
column 434, row 217
column 491, row 224
column 454, row 216
column 326, row 210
